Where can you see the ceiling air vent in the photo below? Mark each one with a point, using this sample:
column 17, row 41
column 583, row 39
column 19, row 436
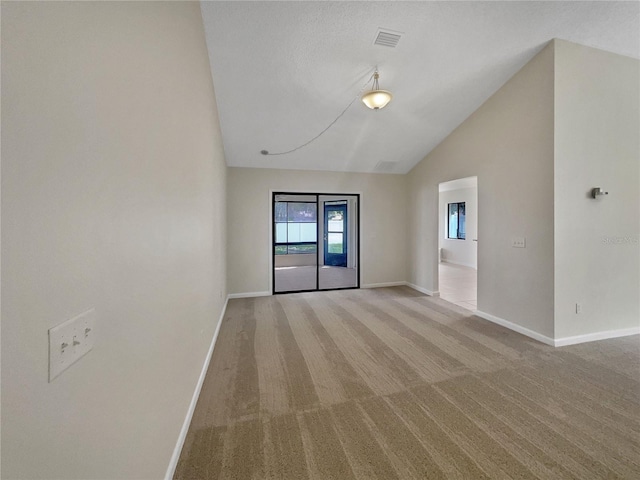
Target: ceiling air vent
column 387, row 38
column 385, row 167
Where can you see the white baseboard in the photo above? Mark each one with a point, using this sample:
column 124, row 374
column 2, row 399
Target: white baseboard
column 431, row 293
column 381, row 285
column 249, row 294
column 592, row 337
column 462, row 264
column 516, row 328
column 173, row 463
column 559, row 342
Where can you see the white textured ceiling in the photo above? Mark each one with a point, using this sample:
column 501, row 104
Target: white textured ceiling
column 283, row 71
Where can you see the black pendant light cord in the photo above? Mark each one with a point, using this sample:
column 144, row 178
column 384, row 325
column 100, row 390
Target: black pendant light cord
column 266, row 152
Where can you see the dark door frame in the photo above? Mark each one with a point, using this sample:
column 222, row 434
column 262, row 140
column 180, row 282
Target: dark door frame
column 318, row 243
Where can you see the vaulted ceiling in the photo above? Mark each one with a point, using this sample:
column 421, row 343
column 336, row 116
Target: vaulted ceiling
column 284, row 71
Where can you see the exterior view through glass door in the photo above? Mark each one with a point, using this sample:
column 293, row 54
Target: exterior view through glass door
column 335, row 234
column 315, row 241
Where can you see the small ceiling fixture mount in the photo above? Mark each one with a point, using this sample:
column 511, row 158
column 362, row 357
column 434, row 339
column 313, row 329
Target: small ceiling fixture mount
column 376, row 98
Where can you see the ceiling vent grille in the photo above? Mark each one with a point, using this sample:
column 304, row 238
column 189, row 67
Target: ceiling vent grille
column 387, row 38
column 385, row 167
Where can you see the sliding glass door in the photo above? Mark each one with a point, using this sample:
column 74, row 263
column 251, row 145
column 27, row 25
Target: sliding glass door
column 315, row 242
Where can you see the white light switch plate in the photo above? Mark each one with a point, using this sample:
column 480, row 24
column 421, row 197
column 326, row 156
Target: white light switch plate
column 518, row 242
column 69, row 341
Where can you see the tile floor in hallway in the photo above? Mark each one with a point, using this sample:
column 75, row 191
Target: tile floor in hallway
column 459, row 285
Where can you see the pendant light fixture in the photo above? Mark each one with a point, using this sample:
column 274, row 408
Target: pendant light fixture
column 376, row 99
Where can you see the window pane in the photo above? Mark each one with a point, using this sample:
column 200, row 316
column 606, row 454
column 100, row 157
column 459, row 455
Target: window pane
column 335, row 242
column 293, row 230
column 461, row 221
column 453, row 220
column 301, row 212
column 456, row 223
column 295, row 222
column 336, row 226
column 335, row 221
column 302, row 249
column 281, row 233
column 301, row 232
column 307, row 232
column 281, row 212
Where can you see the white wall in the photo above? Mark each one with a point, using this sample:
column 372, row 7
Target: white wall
column 113, row 197
column 459, row 251
column 508, row 144
column 596, row 145
column 382, row 222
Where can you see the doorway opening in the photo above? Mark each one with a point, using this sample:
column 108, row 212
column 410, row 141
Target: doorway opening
column 458, row 242
column 315, row 244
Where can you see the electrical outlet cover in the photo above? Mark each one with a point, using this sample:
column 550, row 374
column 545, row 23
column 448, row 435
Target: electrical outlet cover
column 70, row 341
column 518, row 242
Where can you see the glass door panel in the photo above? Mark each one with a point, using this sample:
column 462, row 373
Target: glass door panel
column 335, row 238
column 295, row 243
column 339, row 262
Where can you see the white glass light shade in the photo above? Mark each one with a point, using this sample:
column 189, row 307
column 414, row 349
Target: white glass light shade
column 376, row 99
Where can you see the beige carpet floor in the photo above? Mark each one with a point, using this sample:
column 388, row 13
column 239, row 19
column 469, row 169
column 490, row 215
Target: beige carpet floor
column 389, row 384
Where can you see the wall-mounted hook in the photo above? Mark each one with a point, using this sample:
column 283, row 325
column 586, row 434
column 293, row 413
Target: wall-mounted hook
column 597, row 191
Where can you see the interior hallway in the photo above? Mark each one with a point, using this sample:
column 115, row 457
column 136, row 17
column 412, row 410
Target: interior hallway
column 459, row 285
